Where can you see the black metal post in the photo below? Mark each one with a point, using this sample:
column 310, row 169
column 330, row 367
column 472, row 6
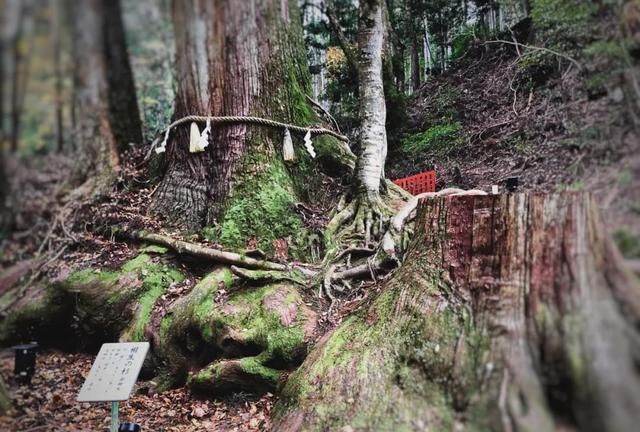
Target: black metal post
column 25, row 361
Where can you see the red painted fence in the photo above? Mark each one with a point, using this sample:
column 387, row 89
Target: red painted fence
column 419, row 183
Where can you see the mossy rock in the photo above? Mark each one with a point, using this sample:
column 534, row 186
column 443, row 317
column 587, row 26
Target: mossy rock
column 227, row 336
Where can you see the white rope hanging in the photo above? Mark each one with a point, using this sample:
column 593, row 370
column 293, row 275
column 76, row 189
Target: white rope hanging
column 198, row 142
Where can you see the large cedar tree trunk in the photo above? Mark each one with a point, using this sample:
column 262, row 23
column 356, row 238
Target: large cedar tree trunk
column 511, row 313
column 238, row 59
column 106, row 116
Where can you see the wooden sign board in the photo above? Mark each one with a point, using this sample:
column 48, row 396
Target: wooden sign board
column 114, row 372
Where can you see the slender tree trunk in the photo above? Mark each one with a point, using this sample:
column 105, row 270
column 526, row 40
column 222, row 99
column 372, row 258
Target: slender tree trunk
column 56, row 42
column 415, row 61
column 2, row 73
column 5, row 401
column 105, row 110
column 12, row 29
column 510, row 313
column 373, row 114
column 428, row 52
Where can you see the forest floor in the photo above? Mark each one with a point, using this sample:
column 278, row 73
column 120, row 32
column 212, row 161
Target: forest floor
column 49, row 403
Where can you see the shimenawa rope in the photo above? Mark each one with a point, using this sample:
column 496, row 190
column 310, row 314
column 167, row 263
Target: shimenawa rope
column 247, row 119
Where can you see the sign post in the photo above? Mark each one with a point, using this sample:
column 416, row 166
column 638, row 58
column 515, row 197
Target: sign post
column 113, row 375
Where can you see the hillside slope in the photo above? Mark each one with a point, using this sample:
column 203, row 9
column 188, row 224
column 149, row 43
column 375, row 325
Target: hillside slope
column 558, row 112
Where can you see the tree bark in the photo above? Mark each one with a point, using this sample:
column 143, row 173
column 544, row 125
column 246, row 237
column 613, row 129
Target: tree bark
column 510, row 313
column 106, row 115
column 56, row 8
column 373, row 113
column 416, row 48
column 12, row 29
column 2, row 73
column 238, row 59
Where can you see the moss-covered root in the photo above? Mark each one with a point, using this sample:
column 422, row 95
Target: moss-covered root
column 389, row 368
column 112, row 305
column 229, row 336
column 97, row 305
column 248, row 374
column 511, row 313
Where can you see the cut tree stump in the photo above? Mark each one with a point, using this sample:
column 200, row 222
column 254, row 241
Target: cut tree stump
column 510, row 313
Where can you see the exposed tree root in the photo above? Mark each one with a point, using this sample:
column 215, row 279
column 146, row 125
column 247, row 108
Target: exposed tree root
column 388, row 250
column 364, row 220
column 268, row 276
column 225, row 257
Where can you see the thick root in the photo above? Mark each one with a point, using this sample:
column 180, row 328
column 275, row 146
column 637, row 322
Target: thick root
column 384, row 237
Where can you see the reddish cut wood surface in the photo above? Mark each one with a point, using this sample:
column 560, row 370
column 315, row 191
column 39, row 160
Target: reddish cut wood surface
column 419, row 183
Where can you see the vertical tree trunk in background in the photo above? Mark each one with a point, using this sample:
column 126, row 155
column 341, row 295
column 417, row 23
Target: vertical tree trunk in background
column 373, row 113
column 104, row 102
column 415, row 60
column 428, row 53
column 4, row 192
column 510, row 313
column 235, row 59
column 123, row 105
column 11, row 30
column 3, row 175
column 2, row 73
column 55, row 7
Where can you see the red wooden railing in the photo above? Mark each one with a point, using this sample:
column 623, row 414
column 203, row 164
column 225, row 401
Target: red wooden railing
column 419, row 183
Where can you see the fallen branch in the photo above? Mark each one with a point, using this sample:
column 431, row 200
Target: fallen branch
column 536, row 48
column 224, row 257
column 268, row 276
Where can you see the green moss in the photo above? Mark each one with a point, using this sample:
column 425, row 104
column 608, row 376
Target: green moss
column 138, row 263
column 204, row 292
column 261, row 326
column 246, row 316
column 155, row 285
column 628, row 243
column 435, row 139
column 254, row 366
column 166, row 324
column 261, row 207
column 93, row 276
column 104, row 298
column 154, row 249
